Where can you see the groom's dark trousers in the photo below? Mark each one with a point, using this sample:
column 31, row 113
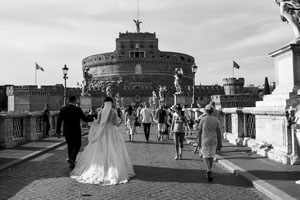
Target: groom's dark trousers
column 70, row 116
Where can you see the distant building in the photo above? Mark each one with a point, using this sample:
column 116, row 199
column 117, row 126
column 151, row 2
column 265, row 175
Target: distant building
column 234, row 95
column 31, row 98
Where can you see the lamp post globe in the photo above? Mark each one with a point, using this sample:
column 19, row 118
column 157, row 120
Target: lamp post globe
column 194, row 70
column 65, row 77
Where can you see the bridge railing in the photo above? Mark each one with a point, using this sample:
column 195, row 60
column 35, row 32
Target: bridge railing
column 21, row 127
column 237, row 124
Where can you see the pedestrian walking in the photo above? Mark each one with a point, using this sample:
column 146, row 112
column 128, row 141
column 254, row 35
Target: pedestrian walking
column 46, row 120
column 168, row 122
column 146, row 119
column 209, row 138
column 130, row 122
column 171, row 112
column 189, row 120
column 137, row 117
column 161, row 118
column 138, row 113
column 215, row 111
column 179, row 122
column 197, row 145
column 70, row 116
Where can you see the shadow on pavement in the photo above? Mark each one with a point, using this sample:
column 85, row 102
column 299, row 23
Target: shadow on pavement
column 242, row 158
column 159, row 174
column 45, row 169
column 279, row 175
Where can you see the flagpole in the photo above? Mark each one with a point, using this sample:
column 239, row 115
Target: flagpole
column 35, row 75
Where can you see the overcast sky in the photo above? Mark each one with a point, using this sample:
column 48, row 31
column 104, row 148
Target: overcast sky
column 57, row 32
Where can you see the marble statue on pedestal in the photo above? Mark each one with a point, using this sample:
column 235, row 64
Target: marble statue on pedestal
column 289, row 12
column 118, row 100
column 178, row 74
column 108, row 91
column 86, row 82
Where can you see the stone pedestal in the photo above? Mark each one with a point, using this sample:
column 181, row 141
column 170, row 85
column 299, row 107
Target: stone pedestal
column 271, row 123
column 162, row 102
column 179, row 99
column 85, row 103
column 287, row 77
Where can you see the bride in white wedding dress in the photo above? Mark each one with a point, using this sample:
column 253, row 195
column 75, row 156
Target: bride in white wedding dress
column 105, row 159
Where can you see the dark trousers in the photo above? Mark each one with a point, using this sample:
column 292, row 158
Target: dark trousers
column 178, row 140
column 74, row 145
column 46, row 128
column 147, row 130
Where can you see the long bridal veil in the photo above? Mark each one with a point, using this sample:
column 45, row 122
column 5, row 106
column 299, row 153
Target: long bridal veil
column 98, row 125
column 105, row 159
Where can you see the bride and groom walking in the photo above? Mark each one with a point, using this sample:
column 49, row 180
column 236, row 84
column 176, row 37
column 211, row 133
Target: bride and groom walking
column 105, row 159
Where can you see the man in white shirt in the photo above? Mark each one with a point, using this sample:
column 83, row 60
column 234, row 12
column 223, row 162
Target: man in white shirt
column 146, row 119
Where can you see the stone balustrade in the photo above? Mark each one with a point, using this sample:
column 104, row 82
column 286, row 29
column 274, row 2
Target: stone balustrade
column 238, row 126
column 21, row 127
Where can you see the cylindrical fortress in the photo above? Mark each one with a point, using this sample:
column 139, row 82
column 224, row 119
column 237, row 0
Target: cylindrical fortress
column 137, row 61
column 233, row 86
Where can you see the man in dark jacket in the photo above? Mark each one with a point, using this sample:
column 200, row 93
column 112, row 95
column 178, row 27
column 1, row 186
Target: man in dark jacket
column 70, row 116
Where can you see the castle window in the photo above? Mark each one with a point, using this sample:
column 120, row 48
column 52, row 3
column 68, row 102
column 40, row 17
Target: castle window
column 137, row 54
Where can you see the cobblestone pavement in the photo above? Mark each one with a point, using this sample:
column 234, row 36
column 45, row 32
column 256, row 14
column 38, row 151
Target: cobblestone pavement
column 158, row 176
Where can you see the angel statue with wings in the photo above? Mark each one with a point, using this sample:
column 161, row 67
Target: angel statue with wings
column 289, row 12
column 178, row 74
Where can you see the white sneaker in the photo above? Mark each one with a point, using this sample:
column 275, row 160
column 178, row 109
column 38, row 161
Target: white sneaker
column 298, row 182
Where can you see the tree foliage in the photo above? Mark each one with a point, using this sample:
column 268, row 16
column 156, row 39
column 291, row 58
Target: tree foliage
column 267, row 87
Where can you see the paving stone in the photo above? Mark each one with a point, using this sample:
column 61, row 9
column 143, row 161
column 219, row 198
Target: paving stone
column 158, row 176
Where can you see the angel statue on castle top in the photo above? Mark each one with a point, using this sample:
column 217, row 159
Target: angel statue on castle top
column 289, row 12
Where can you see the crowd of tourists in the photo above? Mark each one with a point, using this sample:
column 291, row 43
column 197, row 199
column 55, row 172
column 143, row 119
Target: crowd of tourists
column 176, row 122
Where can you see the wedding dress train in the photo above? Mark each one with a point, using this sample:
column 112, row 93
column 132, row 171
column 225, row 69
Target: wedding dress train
column 105, row 159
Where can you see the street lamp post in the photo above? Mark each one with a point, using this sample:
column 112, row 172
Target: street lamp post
column 194, row 70
column 65, row 72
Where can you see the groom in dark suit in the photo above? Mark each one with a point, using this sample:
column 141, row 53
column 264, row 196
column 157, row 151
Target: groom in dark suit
column 70, row 116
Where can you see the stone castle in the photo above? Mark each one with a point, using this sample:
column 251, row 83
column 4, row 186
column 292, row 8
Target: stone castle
column 137, row 67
